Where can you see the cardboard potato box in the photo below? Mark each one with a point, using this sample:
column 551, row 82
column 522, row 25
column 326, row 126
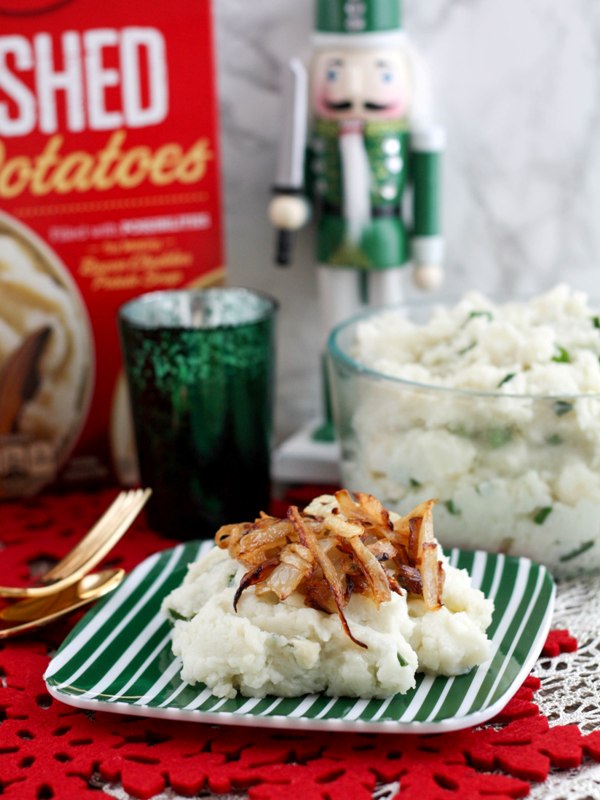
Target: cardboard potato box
column 109, row 187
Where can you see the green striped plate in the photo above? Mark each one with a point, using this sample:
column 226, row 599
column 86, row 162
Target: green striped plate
column 118, row 658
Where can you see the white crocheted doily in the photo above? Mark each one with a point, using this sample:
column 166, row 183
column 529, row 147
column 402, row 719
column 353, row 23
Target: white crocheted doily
column 570, row 691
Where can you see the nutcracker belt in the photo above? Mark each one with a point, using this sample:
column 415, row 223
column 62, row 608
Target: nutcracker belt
column 336, row 210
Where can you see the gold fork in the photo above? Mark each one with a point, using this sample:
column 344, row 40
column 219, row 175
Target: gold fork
column 26, row 615
column 101, row 538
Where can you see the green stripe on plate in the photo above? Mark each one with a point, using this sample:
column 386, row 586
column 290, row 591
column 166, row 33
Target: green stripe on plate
column 509, row 630
column 108, row 653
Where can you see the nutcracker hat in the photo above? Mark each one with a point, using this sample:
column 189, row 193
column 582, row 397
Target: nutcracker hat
column 369, row 24
column 357, row 22
column 357, row 16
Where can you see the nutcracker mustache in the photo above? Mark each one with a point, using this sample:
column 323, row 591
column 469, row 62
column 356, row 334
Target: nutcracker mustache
column 345, row 105
column 370, row 106
column 348, row 105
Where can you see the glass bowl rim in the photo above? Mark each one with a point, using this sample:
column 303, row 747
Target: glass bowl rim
column 336, row 353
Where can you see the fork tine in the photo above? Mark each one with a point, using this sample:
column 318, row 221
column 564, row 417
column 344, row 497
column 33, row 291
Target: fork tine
column 120, row 525
column 90, row 541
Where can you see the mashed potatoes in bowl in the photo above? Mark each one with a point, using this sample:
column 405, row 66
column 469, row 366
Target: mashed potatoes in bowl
column 494, row 409
column 335, row 599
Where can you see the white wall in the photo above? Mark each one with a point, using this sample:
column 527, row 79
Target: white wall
column 517, row 86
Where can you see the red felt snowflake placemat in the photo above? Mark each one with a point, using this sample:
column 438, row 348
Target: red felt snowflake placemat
column 50, row 750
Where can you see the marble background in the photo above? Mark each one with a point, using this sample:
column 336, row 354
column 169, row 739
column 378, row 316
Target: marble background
column 517, row 86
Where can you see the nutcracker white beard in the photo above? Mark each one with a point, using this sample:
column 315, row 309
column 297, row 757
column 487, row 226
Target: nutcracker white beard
column 356, row 174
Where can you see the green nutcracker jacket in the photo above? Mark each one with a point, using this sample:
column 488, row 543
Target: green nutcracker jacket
column 394, row 167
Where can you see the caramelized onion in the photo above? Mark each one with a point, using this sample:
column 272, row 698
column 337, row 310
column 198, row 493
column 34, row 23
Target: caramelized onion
column 308, row 539
column 352, row 547
column 295, row 565
column 253, row 576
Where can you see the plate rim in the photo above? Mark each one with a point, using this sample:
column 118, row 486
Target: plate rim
column 281, row 721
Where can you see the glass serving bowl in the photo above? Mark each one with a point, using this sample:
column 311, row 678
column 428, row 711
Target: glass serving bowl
column 512, row 473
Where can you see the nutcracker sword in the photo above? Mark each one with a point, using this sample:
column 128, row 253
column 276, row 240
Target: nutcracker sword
column 289, row 178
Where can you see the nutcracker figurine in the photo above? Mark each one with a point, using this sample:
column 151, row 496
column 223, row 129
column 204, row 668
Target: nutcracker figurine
column 366, row 166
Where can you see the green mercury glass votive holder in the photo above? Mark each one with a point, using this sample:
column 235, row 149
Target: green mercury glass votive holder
column 200, row 371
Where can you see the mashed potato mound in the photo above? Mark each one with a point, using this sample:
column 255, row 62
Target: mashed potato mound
column 451, row 640
column 287, row 649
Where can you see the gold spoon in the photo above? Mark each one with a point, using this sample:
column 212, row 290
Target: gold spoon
column 35, row 612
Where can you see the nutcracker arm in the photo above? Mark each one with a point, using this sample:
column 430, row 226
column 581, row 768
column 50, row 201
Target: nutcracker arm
column 288, row 211
column 427, row 145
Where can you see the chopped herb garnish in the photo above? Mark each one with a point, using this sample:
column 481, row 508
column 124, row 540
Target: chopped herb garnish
column 562, row 357
column 452, row 507
column 562, row 407
column 415, row 483
column 596, row 322
column 230, row 579
column 459, row 430
column 541, row 516
column 467, row 348
column 498, row 437
column 554, row 440
column 176, row 615
column 506, row 379
column 401, row 660
column 475, row 314
column 574, row 553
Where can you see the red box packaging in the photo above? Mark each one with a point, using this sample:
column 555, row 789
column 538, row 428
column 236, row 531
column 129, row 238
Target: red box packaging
column 109, row 187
